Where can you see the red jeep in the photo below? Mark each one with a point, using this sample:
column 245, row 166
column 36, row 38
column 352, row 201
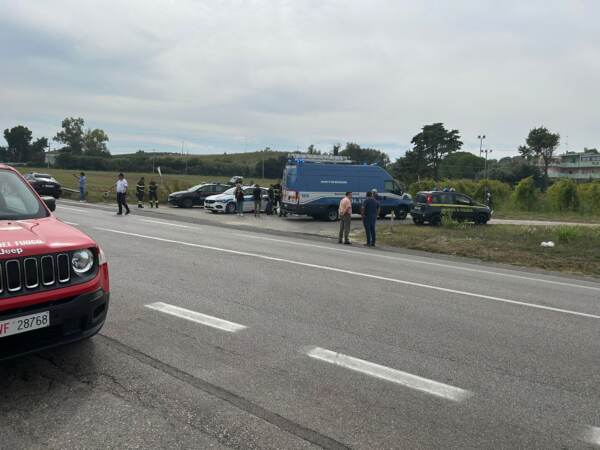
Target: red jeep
column 53, row 278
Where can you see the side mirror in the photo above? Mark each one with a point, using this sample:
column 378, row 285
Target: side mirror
column 50, row 203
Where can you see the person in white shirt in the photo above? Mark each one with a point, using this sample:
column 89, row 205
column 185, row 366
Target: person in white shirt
column 121, row 188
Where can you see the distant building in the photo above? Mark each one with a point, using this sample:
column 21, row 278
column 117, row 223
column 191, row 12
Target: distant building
column 583, row 166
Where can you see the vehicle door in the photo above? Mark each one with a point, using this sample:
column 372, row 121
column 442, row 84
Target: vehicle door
column 201, row 194
column 248, row 200
column 464, row 208
column 445, row 200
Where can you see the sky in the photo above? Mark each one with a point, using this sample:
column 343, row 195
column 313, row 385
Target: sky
column 231, row 76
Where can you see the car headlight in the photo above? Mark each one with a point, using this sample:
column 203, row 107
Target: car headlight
column 82, row 261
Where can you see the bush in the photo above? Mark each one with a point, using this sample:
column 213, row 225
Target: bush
column 525, row 195
column 500, row 192
column 567, row 234
column 589, row 197
column 563, row 196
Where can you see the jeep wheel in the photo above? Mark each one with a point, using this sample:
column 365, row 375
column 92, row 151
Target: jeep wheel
column 481, row 219
column 188, row 203
column 332, row 214
column 230, row 208
column 400, row 213
column 435, row 220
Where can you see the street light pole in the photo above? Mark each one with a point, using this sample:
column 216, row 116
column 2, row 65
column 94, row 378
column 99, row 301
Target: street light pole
column 481, row 137
column 487, row 150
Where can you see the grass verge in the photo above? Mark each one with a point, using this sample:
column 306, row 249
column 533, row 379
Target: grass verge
column 576, row 251
column 100, row 182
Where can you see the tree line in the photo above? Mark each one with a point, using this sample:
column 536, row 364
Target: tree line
column 435, row 153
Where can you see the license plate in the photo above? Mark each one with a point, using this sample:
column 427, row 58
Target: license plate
column 24, row 323
column 49, row 185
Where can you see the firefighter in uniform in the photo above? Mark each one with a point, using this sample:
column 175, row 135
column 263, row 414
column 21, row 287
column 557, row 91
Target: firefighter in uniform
column 153, row 194
column 277, row 198
column 140, row 190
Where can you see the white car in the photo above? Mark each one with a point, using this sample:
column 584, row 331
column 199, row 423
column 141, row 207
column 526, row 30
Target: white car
column 225, row 202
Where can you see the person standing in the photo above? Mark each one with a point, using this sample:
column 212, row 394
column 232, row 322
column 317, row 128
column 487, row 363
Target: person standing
column 153, row 194
column 121, row 187
column 369, row 213
column 345, row 213
column 140, row 191
column 257, row 197
column 239, row 199
column 81, row 178
column 277, row 199
column 270, row 199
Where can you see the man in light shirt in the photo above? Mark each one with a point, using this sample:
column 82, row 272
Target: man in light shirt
column 345, row 213
column 121, row 188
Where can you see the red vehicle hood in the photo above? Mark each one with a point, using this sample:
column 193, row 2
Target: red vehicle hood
column 38, row 236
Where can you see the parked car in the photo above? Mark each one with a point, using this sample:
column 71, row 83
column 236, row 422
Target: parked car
column 44, row 184
column 314, row 186
column 196, row 195
column 225, row 202
column 430, row 205
column 54, row 286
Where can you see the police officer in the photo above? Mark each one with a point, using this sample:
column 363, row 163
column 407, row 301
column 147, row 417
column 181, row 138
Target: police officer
column 153, row 194
column 140, row 190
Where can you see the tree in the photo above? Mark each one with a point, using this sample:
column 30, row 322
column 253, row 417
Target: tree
column 336, row 149
column 435, row 142
column 38, row 150
column 94, row 143
column 411, row 167
column 71, row 135
column 365, row 155
column 461, row 165
column 541, row 145
column 19, row 143
column 312, row 150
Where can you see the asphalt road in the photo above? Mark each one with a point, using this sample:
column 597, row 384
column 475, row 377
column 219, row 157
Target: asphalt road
column 220, row 337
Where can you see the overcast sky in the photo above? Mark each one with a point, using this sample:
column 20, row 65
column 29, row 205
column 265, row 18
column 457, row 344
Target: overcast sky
column 228, row 75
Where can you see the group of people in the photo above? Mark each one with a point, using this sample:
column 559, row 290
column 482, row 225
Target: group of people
column 369, row 211
column 121, row 188
column 273, row 199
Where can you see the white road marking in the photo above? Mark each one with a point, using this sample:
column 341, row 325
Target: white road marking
column 197, row 317
column 591, row 435
column 71, row 223
column 418, row 261
column 351, row 272
column 386, row 373
column 160, row 222
column 379, row 255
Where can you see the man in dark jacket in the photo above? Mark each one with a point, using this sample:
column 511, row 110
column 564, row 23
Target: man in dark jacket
column 257, row 197
column 369, row 213
column 140, row 190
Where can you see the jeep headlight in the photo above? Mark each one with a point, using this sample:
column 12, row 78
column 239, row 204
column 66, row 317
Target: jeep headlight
column 82, row 261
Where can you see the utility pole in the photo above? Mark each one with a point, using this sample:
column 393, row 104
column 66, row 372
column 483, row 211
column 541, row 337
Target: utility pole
column 263, row 163
column 486, row 151
column 481, row 137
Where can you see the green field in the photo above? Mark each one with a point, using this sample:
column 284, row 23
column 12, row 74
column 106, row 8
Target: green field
column 100, row 182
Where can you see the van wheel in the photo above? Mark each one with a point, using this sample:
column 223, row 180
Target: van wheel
column 188, row 203
column 481, row 219
column 400, row 213
column 230, row 208
column 435, row 220
column 332, row 214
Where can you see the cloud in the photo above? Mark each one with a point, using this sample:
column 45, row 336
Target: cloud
column 291, row 73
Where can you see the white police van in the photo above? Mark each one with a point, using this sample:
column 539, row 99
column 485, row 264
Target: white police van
column 313, row 185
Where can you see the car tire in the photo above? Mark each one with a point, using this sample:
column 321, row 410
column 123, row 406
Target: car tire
column 332, row 214
column 400, row 213
column 435, row 220
column 417, row 221
column 481, row 219
column 230, row 208
column 187, row 203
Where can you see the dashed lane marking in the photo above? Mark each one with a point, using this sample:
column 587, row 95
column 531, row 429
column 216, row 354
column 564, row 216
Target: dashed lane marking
column 386, row 373
column 176, row 225
column 360, row 274
column 197, row 317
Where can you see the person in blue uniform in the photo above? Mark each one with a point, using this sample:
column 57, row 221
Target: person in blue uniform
column 369, row 213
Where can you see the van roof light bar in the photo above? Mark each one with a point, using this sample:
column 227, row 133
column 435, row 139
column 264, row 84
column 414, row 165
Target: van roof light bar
column 308, row 158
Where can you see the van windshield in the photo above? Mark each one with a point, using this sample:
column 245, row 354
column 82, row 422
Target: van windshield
column 17, row 201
